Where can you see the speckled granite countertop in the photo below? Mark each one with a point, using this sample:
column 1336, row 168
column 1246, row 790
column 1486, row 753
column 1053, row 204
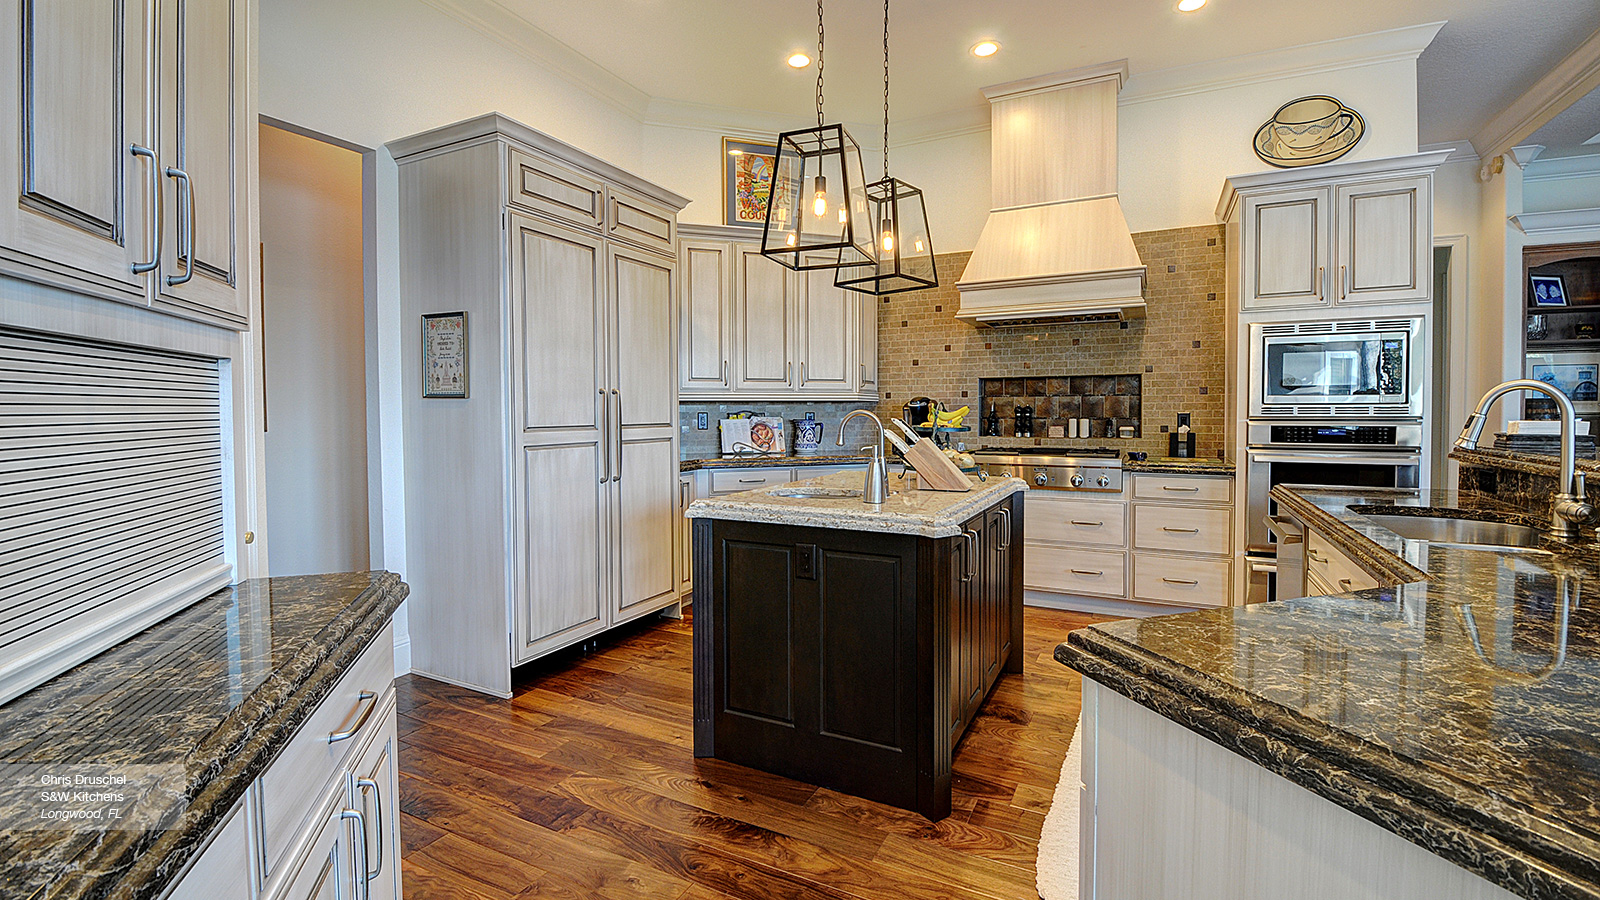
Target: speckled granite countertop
column 1445, row 709
column 933, row 514
column 210, row 694
column 768, row 462
column 1172, row 465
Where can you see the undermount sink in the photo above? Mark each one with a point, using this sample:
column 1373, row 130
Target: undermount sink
column 1470, row 532
column 816, row 493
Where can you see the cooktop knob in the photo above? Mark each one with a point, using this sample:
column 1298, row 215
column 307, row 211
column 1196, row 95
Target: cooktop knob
column 1077, row 481
column 1041, row 478
column 1103, row 480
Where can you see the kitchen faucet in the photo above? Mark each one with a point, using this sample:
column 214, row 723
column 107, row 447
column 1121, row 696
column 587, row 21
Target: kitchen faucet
column 876, row 488
column 1568, row 509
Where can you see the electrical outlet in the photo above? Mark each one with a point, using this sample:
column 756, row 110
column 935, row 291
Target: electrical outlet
column 702, row 421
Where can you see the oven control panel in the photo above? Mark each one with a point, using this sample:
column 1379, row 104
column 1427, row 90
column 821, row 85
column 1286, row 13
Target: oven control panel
column 1354, row 435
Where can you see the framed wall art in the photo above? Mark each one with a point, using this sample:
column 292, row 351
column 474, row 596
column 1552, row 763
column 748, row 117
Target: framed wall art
column 746, row 180
column 1548, row 290
column 444, row 355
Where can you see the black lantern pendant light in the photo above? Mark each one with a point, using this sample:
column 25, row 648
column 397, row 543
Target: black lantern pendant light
column 817, row 208
column 899, row 222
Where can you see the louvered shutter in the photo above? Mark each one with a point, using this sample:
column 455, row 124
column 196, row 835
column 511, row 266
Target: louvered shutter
column 111, row 496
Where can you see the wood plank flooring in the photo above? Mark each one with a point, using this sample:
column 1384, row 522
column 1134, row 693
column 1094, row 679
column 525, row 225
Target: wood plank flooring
column 584, row 785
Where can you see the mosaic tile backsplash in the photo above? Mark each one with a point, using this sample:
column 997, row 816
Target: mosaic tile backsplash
column 1109, row 402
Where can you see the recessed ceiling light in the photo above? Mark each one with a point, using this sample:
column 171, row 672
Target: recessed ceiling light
column 990, row 48
column 799, row 60
column 1190, row 5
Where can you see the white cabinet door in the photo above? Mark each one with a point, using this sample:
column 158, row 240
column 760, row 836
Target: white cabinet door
column 1287, row 236
column 705, row 316
column 204, row 136
column 1385, row 242
column 685, row 533
column 645, row 417
column 78, row 210
column 375, row 792
column 867, row 347
column 563, row 436
column 222, row 872
column 327, row 871
column 764, row 322
column 828, row 317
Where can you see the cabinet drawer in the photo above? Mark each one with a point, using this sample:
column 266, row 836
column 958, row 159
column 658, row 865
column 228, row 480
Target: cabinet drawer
column 1182, row 580
column 728, row 481
column 1338, row 572
column 554, row 190
column 291, row 784
column 1099, row 572
column 1103, row 522
column 636, row 220
column 1185, row 488
column 1188, row 529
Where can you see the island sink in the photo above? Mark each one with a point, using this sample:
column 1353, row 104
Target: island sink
column 1443, row 530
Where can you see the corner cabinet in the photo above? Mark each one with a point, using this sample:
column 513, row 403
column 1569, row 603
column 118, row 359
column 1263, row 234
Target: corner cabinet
column 132, row 126
column 541, row 508
column 750, row 329
column 1333, row 235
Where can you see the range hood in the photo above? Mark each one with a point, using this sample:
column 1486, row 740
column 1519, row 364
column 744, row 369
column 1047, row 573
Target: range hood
column 1056, row 247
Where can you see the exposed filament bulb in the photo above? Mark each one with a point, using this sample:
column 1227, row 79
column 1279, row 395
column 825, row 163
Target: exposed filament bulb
column 887, row 238
column 790, row 239
column 819, row 200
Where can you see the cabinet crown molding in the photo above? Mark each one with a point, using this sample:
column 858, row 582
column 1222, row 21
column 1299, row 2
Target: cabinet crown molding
column 1234, row 186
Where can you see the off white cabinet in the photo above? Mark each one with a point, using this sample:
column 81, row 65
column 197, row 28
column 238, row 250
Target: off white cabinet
column 222, row 871
column 752, row 330
column 685, row 533
column 130, row 124
column 542, row 508
column 1339, row 234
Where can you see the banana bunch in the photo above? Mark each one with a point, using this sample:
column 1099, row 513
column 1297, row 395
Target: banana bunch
column 941, row 419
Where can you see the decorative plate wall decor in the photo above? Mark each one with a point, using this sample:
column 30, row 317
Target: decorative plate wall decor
column 1309, row 131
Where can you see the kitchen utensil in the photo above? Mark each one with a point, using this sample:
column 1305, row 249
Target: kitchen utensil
column 935, row 471
column 915, row 411
column 1024, row 416
column 807, row 434
column 991, row 422
column 911, row 436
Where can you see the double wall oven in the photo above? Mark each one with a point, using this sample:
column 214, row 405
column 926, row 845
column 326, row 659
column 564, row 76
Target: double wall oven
column 1331, row 403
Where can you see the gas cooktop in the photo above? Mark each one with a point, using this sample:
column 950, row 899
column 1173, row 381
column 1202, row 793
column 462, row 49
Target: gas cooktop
column 1058, row 468
column 1077, row 452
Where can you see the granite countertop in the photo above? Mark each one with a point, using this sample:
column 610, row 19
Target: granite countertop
column 769, row 462
column 190, row 710
column 1173, row 465
column 933, row 514
column 1456, row 708
column 1531, row 463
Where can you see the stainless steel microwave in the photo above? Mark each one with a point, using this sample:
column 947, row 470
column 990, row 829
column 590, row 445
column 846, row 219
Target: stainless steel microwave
column 1350, row 368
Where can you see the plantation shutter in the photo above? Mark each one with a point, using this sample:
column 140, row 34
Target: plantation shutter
column 111, row 496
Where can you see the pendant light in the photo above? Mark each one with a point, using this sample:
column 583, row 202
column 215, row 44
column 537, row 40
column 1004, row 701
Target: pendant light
column 899, row 222
column 817, row 208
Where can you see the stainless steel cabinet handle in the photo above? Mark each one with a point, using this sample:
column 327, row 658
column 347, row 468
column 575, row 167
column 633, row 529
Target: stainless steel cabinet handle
column 605, row 438
column 864, row 379
column 1095, row 572
column 617, row 396
column 788, row 372
column 377, row 803
column 802, row 371
column 752, row 481
column 1344, row 283
column 1345, row 583
column 1088, row 524
column 186, row 231
column 1322, row 280
column 371, row 701
column 683, row 495
column 1181, row 490
column 1316, row 557
column 1180, row 530
column 361, row 846
column 1005, row 519
column 724, row 371
column 158, row 224
column 971, row 555
column 1179, row 581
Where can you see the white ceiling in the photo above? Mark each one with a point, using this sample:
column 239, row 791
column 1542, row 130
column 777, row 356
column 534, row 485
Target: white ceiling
column 1575, row 132
column 731, row 54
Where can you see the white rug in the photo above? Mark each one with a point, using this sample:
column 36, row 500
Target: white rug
column 1057, row 867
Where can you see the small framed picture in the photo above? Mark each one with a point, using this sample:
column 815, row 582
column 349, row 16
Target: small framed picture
column 746, row 181
column 1580, row 382
column 444, row 355
column 1548, row 290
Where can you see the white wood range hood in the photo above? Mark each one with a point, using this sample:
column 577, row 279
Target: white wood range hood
column 1056, row 246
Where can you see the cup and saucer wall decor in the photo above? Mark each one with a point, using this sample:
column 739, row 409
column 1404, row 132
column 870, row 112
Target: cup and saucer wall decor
column 1309, row 131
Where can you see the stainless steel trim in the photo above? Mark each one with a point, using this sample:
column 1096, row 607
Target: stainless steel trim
column 605, row 438
column 371, row 700
column 1396, row 457
column 1288, row 532
column 617, row 396
column 377, row 796
column 158, row 225
column 361, row 844
column 1263, row 566
column 186, row 233
column 1407, row 434
column 1415, row 359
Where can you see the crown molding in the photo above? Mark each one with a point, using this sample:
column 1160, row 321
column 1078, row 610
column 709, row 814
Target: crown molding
column 1576, row 75
column 1394, row 45
column 512, row 31
column 1563, row 220
column 1561, row 168
column 1460, row 151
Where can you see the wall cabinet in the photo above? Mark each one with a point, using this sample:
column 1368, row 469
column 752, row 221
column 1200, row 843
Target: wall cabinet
column 543, row 508
column 132, row 129
column 752, row 330
column 1350, row 233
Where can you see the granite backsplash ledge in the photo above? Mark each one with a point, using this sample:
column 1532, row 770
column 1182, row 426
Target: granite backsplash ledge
column 1178, row 349
column 696, row 444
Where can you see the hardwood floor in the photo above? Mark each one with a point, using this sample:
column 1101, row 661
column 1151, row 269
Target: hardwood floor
column 584, row 785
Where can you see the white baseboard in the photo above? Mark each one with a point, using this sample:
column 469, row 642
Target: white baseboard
column 402, row 655
column 1102, row 606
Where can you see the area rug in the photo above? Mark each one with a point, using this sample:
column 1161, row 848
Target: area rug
column 1057, row 867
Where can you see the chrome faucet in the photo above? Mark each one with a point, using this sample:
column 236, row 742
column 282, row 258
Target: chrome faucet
column 876, row 488
column 1568, row 509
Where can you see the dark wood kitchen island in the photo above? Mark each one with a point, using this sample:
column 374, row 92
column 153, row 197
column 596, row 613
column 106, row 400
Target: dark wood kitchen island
column 850, row 645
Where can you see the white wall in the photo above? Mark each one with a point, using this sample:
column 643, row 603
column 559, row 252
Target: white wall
column 313, row 331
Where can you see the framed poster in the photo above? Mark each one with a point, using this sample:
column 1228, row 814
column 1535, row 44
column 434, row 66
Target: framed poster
column 444, row 355
column 746, row 181
column 1580, row 382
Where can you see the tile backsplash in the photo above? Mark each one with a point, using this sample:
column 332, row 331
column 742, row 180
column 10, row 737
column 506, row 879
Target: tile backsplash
column 696, row 444
column 1178, row 350
column 1109, row 402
